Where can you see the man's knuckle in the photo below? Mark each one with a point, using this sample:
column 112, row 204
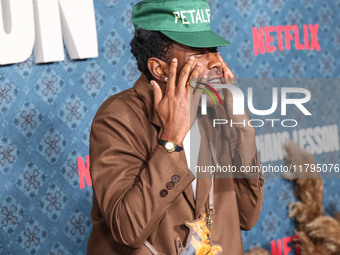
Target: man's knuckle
column 179, row 95
column 172, row 100
column 183, row 73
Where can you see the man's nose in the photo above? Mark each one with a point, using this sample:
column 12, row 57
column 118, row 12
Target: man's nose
column 213, row 61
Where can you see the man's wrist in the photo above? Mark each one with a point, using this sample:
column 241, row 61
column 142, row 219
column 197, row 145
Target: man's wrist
column 176, row 139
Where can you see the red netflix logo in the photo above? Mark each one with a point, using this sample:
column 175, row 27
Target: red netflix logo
column 84, row 172
column 282, row 247
column 263, row 38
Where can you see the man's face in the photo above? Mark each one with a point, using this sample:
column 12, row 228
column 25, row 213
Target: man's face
column 211, row 66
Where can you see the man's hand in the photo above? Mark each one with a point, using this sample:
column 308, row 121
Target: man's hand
column 245, row 133
column 173, row 108
column 229, row 78
column 195, row 97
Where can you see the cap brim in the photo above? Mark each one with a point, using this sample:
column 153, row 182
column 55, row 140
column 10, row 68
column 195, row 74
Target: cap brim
column 201, row 39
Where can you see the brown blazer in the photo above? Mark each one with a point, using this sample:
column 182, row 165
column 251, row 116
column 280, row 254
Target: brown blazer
column 130, row 172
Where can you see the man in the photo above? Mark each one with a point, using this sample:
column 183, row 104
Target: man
column 142, row 192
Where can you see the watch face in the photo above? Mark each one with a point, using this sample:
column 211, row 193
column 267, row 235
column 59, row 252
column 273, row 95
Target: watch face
column 170, row 146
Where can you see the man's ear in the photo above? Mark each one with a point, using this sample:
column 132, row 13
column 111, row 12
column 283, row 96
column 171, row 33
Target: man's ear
column 158, row 68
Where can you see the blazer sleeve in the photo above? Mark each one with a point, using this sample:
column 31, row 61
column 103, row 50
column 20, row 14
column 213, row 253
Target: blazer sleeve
column 249, row 187
column 129, row 183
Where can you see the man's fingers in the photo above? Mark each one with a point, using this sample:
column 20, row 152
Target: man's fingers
column 196, row 72
column 227, row 73
column 196, row 90
column 171, row 85
column 194, row 75
column 199, row 91
column 224, row 68
column 184, row 74
column 157, row 93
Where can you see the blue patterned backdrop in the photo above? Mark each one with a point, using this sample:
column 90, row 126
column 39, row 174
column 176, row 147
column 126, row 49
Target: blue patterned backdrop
column 46, row 112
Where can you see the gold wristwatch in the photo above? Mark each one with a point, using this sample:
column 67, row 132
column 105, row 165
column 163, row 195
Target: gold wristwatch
column 170, row 146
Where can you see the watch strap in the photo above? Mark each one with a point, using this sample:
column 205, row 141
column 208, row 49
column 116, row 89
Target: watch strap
column 162, row 142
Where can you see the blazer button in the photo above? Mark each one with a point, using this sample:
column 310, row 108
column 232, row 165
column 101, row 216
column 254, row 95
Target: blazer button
column 170, row 185
column 164, row 193
column 175, row 178
column 261, row 182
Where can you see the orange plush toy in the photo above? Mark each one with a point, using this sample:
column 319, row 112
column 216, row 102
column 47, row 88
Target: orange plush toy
column 199, row 239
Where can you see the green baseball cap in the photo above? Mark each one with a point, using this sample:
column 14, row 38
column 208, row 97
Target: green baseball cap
column 184, row 21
